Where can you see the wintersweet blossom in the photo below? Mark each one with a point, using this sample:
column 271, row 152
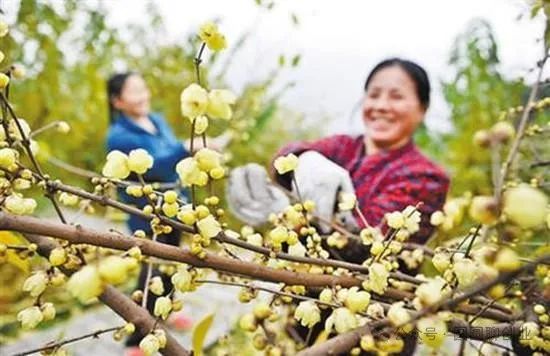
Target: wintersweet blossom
column 466, row 271
column 278, row 235
column 150, row 344
column 326, row 295
column 30, row 317
column 68, row 199
column 139, row 161
column 430, row 292
column 210, row 35
column 347, row 201
column 297, row 250
column 398, row 315
column 378, row 278
column 219, row 104
column 16, row 204
column 183, row 280
column 208, row 159
column 85, row 284
column 194, row 101
column 209, row 227
column 285, row 164
column 525, row 206
column 441, row 261
column 48, row 311
column 357, row 300
column 114, row 269
column 342, row 320
column 201, row 124
column 116, row 165
column 307, row 313
column 58, row 256
column 156, row 286
column 437, row 218
column 507, row 260
column 8, row 157
column 163, row 307
column 432, row 331
column 36, row 283
column 190, row 173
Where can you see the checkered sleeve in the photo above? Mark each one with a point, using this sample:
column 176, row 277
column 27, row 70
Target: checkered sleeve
column 408, row 187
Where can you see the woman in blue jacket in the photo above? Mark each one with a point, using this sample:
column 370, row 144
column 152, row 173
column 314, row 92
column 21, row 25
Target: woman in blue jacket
column 133, row 126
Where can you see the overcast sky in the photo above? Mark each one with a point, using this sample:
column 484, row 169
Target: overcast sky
column 341, row 40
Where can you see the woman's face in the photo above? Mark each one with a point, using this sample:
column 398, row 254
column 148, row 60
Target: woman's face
column 391, row 108
column 134, row 100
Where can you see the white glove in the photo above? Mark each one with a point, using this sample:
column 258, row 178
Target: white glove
column 252, row 197
column 321, row 180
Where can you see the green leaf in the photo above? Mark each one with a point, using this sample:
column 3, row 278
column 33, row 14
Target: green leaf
column 199, row 333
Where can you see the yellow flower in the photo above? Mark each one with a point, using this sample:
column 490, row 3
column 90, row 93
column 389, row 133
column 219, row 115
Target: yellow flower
column 375, row 311
column 347, row 201
column 507, row 260
column 278, row 235
column 255, row 239
column 170, row 196
column 503, row 131
column 326, row 295
column 170, row 209
column 201, row 124
column 219, row 104
column 525, row 206
column 465, row 270
column 36, row 283
column 68, row 199
column 58, row 256
column 63, row 127
column 85, row 284
column 432, row 331
column 4, row 28
column 183, row 280
column 395, row 219
column 8, row 157
column 156, row 286
column 194, row 101
column 48, row 311
column 217, row 173
column 430, row 292
column 208, row 159
column 116, row 166
column 441, row 261
column 190, row 174
column 262, row 311
column 342, row 320
column 398, row 315
column 285, row 164
column 307, row 313
column 163, row 306
column 437, row 218
column 248, row 322
column 378, row 278
column 150, row 344
column 356, row 300
column 187, row 215
column 4, row 80
column 30, row 317
column 412, row 219
column 210, row 35
column 484, row 209
column 161, row 336
column 113, row 269
column 209, row 227
column 139, row 161
column 297, row 250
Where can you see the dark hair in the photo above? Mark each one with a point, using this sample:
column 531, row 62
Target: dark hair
column 115, row 84
column 416, row 72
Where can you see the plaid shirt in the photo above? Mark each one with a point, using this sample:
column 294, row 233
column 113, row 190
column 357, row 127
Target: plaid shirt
column 386, row 181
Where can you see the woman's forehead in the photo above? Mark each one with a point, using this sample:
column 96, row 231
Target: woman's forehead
column 392, row 77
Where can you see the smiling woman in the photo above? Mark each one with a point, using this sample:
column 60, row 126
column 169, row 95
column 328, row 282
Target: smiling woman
column 382, row 167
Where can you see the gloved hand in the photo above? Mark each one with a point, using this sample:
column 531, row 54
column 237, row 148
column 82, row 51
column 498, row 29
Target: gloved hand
column 321, row 180
column 252, row 197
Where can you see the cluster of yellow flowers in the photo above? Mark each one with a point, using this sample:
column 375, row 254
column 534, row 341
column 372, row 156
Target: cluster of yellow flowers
column 154, row 341
column 285, row 164
column 88, row 283
column 197, row 170
column 406, row 222
column 119, row 165
column 196, row 102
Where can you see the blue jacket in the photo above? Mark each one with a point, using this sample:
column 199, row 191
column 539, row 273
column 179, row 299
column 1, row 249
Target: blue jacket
column 124, row 135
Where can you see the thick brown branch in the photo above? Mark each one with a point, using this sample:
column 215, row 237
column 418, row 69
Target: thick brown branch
column 117, row 301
